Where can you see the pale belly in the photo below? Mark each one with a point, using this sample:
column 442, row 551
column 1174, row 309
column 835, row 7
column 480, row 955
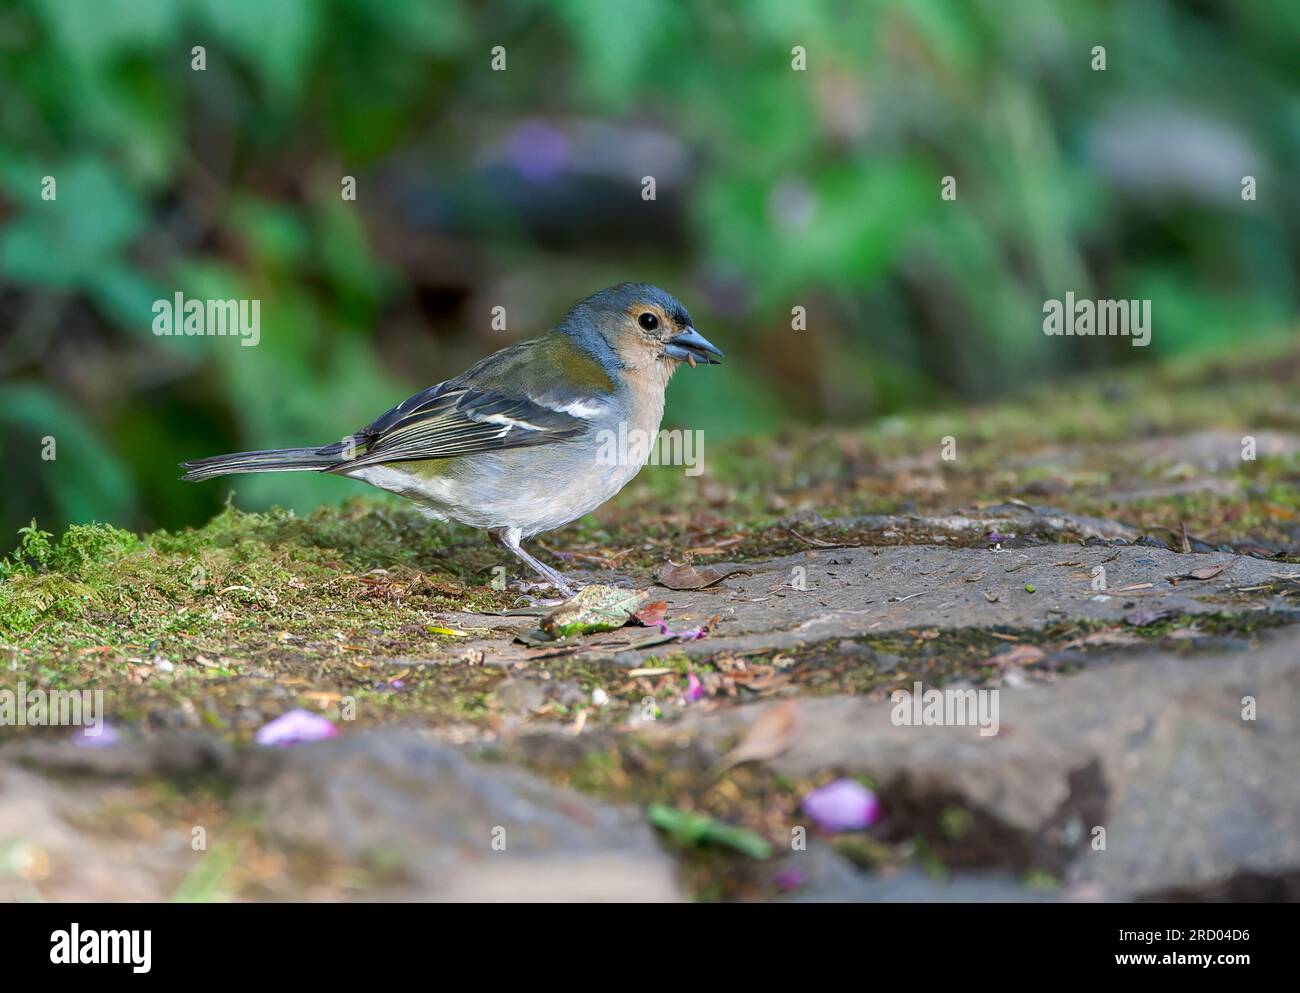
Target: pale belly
column 534, row 489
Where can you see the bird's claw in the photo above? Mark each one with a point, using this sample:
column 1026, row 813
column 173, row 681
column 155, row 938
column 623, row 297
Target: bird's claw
column 526, row 588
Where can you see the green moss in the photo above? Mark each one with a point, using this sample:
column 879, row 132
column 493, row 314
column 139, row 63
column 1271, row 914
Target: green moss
column 82, row 545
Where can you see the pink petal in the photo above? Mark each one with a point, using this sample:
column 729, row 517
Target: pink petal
column 105, row 737
column 690, row 634
column 790, row 880
column 844, row 805
column 295, row 727
column 694, row 689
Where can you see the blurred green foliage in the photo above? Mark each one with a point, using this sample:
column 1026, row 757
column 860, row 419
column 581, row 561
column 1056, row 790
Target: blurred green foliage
column 776, row 188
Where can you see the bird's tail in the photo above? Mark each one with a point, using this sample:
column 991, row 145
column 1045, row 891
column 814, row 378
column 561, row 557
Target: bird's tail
column 273, row 460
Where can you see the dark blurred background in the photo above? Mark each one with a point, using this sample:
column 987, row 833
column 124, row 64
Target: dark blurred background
column 477, row 188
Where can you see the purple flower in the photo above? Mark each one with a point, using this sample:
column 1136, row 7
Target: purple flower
column 694, row 690
column 844, row 805
column 994, row 537
column 790, row 880
column 294, row 727
column 690, row 634
column 105, row 736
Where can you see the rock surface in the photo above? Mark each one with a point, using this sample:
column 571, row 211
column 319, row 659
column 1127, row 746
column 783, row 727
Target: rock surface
column 1154, row 750
column 856, row 591
column 459, row 830
column 425, row 821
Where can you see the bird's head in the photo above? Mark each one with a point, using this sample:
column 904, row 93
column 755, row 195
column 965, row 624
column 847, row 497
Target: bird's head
column 643, row 325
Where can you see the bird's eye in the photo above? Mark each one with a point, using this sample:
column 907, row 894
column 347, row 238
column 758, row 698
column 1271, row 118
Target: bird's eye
column 648, row 321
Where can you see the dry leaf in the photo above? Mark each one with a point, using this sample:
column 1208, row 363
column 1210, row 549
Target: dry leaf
column 652, row 613
column 1144, row 616
column 687, row 577
column 817, row 542
column 1110, row 636
column 1207, row 572
column 1020, row 655
column 767, row 737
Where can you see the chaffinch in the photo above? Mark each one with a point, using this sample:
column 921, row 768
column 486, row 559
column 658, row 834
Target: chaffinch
column 514, row 444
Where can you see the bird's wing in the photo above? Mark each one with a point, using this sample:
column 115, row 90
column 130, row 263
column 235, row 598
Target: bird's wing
column 485, row 409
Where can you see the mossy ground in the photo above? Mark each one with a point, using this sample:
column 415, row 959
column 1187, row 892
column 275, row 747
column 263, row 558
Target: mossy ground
column 252, row 610
column 226, row 625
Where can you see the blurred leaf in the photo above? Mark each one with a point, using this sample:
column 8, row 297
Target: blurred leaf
column 277, row 38
column 689, row 828
column 92, row 31
column 425, row 27
column 85, row 481
column 275, row 232
column 61, row 243
column 617, row 43
column 126, row 297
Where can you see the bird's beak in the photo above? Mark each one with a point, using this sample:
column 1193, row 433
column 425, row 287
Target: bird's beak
column 691, row 346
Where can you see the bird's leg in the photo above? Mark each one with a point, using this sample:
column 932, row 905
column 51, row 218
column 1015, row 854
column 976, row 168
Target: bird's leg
column 508, row 538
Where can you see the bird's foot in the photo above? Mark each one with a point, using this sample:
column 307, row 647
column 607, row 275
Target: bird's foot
column 508, row 538
column 542, row 602
column 527, row 588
